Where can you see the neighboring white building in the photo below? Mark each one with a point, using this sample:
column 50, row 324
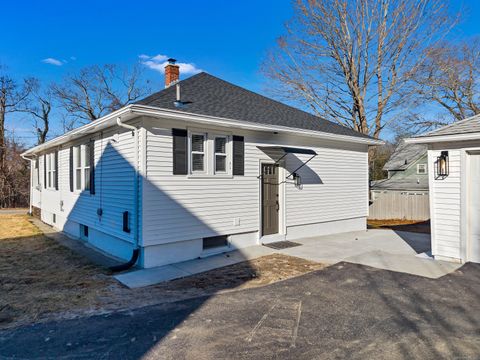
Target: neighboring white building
column 201, row 167
column 454, row 182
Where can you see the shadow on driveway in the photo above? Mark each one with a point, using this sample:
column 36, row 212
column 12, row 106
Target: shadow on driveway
column 344, row 311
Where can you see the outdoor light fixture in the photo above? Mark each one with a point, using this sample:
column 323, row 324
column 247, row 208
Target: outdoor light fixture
column 442, row 165
column 297, row 180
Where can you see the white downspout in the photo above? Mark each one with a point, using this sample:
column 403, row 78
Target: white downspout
column 134, row 129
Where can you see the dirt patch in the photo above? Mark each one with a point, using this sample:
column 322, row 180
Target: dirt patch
column 42, row 280
column 401, row 225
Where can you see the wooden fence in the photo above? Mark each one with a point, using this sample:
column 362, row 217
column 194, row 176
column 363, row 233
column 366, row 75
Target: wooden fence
column 408, row 205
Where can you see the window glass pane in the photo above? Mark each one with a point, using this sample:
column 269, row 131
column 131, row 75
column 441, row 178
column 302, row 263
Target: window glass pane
column 49, row 179
column 78, row 179
column 197, row 143
column 197, row 162
column 77, row 156
column 220, row 163
column 87, row 155
column 87, row 179
column 54, row 180
column 220, row 145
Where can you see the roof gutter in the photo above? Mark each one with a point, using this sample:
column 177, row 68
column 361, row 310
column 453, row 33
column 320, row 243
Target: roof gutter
column 443, row 138
column 135, row 109
column 181, row 115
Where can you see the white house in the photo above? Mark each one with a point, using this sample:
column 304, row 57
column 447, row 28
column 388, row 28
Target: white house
column 200, row 167
column 454, row 182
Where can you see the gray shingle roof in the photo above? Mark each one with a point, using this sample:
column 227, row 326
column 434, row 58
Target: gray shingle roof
column 411, row 183
column 405, row 155
column 205, row 94
column 466, row 126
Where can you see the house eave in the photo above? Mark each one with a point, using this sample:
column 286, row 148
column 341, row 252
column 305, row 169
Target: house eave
column 130, row 111
column 443, row 138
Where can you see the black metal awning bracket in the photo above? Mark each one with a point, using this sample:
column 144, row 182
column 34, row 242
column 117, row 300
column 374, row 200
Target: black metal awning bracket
column 305, row 163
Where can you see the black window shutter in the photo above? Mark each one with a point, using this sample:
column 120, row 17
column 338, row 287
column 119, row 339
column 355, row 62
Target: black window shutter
column 56, row 170
column 238, row 155
column 70, row 168
column 45, row 171
column 92, row 166
column 180, row 156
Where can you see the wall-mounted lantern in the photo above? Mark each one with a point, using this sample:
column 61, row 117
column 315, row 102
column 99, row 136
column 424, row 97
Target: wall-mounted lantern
column 297, row 180
column 442, row 165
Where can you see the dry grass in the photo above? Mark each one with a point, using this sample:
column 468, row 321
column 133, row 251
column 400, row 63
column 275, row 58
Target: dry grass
column 42, row 280
column 39, row 276
column 401, row 225
column 14, row 226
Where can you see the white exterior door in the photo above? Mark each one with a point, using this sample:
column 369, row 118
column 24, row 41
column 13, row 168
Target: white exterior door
column 473, row 199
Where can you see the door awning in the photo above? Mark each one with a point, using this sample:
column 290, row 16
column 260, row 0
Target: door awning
column 289, row 150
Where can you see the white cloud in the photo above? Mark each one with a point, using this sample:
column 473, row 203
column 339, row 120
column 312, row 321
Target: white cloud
column 53, row 61
column 158, row 63
column 73, row 58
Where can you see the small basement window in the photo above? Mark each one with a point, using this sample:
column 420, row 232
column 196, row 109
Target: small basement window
column 83, row 232
column 215, row 242
column 421, row 169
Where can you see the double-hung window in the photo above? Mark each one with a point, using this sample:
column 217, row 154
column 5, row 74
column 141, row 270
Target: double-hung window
column 82, row 165
column 51, row 170
column 86, row 167
column 421, row 169
column 221, row 154
column 197, row 153
column 78, row 167
column 210, row 153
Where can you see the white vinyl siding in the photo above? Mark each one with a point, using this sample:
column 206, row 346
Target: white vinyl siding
column 445, row 206
column 114, row 180
column 181, row 208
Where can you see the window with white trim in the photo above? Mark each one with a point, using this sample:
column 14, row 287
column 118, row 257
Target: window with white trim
column 421, row 169
column 51, row 170
column 77, row 153
column 81, row 164
column 86, row 167
column 197, row 153
column 221, row 154
column 210, row 153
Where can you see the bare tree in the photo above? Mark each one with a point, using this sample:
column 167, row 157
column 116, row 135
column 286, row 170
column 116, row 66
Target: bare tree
column 12, row 97
column 450, row 77
column 39, row 106
column 98, row 90
column 351, row 61
column 15, row 176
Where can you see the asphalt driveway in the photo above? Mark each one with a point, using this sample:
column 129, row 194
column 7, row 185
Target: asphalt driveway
column 344, row 311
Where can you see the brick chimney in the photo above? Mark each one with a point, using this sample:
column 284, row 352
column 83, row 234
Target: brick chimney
column 172, row 72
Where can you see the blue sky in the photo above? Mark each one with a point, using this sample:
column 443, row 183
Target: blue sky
column 225, row 38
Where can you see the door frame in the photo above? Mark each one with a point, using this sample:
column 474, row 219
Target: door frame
column 282, row 229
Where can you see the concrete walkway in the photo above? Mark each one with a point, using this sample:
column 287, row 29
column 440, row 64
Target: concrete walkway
column 13, row 211
column 384, row 249
column 146, row 277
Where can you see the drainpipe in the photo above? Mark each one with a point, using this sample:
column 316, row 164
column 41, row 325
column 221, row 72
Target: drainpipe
column 136, row 250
